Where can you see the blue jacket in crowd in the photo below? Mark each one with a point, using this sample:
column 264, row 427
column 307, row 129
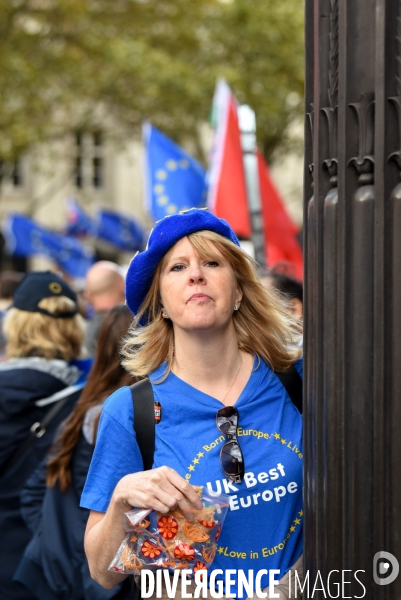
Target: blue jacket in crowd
column 24, row 382
column 54, row 565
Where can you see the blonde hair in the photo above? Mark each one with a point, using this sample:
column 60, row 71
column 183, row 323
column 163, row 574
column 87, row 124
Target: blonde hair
column 264, row 324
column 36, row 334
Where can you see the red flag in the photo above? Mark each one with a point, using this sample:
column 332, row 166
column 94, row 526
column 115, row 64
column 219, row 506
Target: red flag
column 227, row 186
column 280, row 231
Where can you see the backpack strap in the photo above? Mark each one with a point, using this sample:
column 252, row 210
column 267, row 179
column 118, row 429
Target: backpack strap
column 292, row 381
column 144, row 420
column 135, row 589
column 144, row 425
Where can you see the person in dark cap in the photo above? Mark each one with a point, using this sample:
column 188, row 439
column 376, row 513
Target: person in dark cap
column 215, row 345
column 39, row 384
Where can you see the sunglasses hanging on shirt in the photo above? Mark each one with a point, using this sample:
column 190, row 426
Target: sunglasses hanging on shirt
column 231, row 457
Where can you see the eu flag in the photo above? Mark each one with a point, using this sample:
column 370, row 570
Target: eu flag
column 121, row 231
column 174, row 180
column 79, row 223
column 24, row 237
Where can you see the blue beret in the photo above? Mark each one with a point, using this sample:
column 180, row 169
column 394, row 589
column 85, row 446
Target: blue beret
column 164, row 235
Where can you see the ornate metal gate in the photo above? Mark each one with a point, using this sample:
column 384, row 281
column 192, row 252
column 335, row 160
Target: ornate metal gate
column 353, row 291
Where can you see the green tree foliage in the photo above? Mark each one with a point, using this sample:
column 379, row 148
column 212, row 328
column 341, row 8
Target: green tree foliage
column 60, row 60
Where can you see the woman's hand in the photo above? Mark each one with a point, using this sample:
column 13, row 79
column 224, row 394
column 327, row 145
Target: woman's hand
column 161, row 489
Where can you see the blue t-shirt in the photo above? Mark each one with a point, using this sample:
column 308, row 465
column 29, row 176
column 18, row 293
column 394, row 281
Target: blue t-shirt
column 263, row 526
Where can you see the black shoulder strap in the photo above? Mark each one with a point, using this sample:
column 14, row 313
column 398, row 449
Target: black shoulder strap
column 135, row 589
column 144, row 420
column 144, row 425
column 292, row 381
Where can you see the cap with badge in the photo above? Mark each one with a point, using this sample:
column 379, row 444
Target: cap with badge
column 164, row 235
column 38, row 285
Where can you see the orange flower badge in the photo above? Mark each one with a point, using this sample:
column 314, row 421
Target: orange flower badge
column 168, row 527
column 150, row 550
column 184, row 552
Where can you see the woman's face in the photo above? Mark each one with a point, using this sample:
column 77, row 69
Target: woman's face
column 198, row 293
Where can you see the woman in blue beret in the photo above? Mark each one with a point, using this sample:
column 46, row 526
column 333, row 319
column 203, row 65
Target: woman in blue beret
column 213, row 342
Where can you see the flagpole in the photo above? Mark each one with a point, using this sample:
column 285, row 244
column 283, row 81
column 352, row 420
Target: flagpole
column 247, row 125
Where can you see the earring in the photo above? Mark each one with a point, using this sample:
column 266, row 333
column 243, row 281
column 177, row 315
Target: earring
column 164, row 314
column 236, row 307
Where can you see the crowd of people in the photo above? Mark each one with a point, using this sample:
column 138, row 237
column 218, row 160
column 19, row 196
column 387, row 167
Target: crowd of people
column 213, row 334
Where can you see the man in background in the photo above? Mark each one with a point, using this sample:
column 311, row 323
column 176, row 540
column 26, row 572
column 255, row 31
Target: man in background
column 104, row 288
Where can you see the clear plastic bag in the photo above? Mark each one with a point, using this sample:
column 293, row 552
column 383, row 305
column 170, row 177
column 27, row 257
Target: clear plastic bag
column 170, row 541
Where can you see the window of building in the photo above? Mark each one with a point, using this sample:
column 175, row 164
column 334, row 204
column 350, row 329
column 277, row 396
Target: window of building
column 97, row 161
column 16, row 174
column 89, row 159
column 11, row 173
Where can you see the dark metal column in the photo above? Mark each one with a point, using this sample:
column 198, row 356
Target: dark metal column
column 352, row 292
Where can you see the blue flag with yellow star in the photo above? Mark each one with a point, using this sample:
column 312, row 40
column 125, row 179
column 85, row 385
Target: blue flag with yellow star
column 175, row 181
column 24, row 237
column 122, row 231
